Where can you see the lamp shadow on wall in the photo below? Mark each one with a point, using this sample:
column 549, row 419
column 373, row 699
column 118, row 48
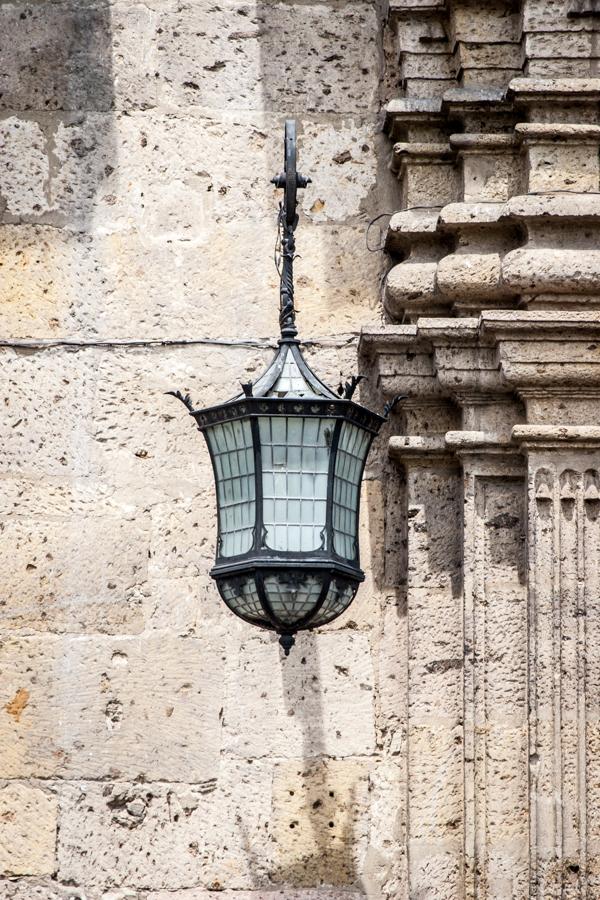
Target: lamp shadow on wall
column 319, row 794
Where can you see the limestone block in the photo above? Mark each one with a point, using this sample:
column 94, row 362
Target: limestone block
column 319, row 826
column 470, row 275
column 243, row 61
column 47, row 274
column 490, row 56
column 421, row 65
column 564, row 68
column 419, row 31
column 25, row 168
column 28, row 821
column 551, row 15
column 319, row 700
column 30, row 888
column 73, row 57
column 168, row 172
column 555, row 45
column 435, row 656
column 490, row 178
column 560, row 271
column 435, row 769
column 472, row 22
column 428, row 184
column 440, row 869
column 74, row 574
column 46, row 431
column 270, row 893
column 433, row 528
column 491, row 78
column 342, row 164
column 169, row 836
column 426, row 88
column 410, row 283
column 390, row 644
column 123, row 707
column 554, row 167
column 385, row 865
column 125, row 285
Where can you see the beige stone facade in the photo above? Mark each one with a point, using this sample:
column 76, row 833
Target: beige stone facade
column 440, row 741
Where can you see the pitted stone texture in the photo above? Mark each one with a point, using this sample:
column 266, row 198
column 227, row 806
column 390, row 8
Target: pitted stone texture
column 319, row 821
column 145, row 708
column 169, row 836
column 168, row 173
column 71, row 56
column 28, row 819
column 48, row 889
column 125, row 285
column 384, row 872
column 239, row 56
column 319, row 700
column 320, row 893
column 25, row 170
column 55, row 578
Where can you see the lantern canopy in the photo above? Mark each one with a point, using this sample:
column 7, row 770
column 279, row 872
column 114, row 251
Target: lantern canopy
column 288, row 456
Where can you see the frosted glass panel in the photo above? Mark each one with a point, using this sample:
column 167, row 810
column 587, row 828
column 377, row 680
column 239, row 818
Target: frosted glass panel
column 352, row 450
column 241, row 595
column 292, row 594
column 295, row 462
column 339, row 596
column 231, row 446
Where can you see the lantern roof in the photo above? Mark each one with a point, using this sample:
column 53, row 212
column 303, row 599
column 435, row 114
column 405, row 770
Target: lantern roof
column 289, row 377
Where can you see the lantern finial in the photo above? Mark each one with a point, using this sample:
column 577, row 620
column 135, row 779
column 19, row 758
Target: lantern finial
column 290, row 180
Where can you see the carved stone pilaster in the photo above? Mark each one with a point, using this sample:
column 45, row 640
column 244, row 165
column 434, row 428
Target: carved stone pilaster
column 494, row 612
column 564, row 667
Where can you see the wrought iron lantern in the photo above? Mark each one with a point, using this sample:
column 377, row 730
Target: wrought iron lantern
column 288, row 456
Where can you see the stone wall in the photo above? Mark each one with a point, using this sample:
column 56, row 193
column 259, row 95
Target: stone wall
column 151, row 745
column 439, row 741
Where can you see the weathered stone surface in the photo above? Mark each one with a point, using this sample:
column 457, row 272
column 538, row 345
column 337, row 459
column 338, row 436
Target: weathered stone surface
column 319, row 700
column 243, row 61
column 28, row 822
column 169, row 836
column 122, row 286
column 321, row 893
column 25, row 171
column 55, row 579
column 169, row 174
column 440, row 739
column 139, row 708
column 76, row 57
column 319, row 833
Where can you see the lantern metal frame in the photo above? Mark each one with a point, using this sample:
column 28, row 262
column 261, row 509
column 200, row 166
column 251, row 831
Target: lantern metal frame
column 261, row 399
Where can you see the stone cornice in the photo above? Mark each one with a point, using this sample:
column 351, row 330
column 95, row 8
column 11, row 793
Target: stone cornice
column 557, row 437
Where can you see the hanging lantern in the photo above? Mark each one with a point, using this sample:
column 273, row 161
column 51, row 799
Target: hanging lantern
column 288, row 456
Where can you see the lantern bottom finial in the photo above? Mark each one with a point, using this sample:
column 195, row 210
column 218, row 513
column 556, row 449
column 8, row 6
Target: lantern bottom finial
column 287, row 641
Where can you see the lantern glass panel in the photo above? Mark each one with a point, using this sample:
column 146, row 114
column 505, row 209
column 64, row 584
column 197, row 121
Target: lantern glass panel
column 241, row 595
column 352, row 450
column 339, row 596
column 295, row 462
column 233, row 459
column 292, row 594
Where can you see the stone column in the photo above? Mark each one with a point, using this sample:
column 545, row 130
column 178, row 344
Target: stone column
column 564, row 667
column 494, row 609
column 434, row 751
column 552, row 359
